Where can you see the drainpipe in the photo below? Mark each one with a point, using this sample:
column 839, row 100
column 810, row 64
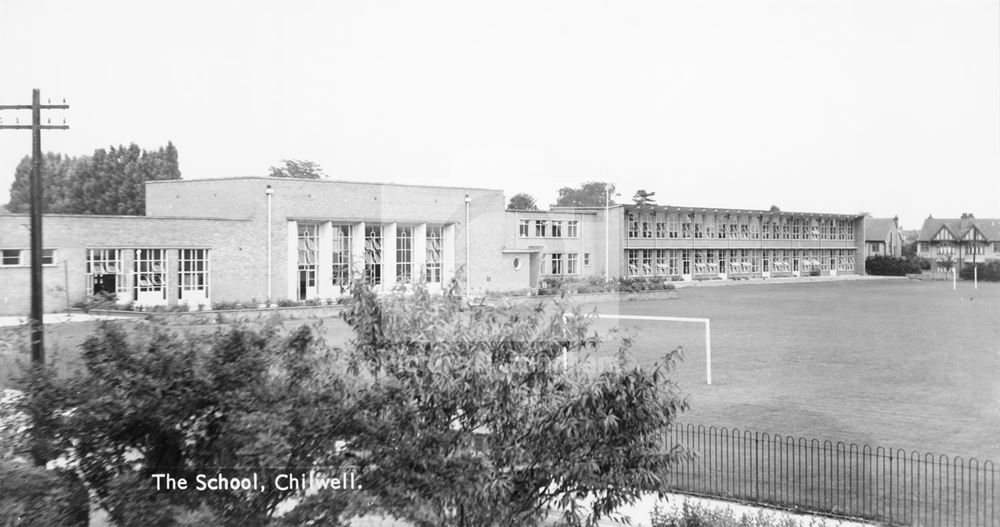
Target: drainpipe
column 468, row 247
column 270, row 192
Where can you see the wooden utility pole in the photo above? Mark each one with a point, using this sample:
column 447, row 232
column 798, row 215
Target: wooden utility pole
column 36, row 127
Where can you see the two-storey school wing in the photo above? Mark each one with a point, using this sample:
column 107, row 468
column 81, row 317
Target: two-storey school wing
column 688, row 243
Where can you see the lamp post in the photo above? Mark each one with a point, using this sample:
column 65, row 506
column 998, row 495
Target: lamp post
column 607, row 231
column 270, row 192
column 468, row 247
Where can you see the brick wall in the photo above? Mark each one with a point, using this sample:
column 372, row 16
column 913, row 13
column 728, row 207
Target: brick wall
column 235, row 255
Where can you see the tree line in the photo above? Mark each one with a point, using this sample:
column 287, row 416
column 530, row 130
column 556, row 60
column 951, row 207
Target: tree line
column 588, row 194
column 110, row 181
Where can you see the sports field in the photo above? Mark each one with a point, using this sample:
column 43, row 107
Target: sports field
column 896, row 363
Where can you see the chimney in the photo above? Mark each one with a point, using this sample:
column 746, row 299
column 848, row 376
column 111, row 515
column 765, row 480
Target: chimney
column 895, row 221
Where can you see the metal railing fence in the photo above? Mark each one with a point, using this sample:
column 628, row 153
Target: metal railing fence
column 836, row 478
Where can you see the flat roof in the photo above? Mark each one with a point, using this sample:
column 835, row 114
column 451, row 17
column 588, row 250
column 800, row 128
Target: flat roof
column 726, row 210
column 122, row 216
column 300, row 180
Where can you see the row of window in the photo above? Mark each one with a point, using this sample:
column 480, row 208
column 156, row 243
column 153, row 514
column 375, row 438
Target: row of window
column 676, row 262
column 949, row 249
column 107, row 273
column 372, row 257
column 739, row 228
column 548, row 229
column 21, row 257
column 563, row 263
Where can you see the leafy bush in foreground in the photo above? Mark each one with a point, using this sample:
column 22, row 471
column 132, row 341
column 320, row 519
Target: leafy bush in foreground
column 449, row 415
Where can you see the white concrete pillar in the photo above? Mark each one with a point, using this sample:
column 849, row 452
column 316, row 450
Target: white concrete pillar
column 292, row 274
column 324, row 262
column 389, row 257
column 419, row 252
column 358, row 251
column 448, row 254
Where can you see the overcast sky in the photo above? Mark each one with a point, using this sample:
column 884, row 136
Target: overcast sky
column 891, row 107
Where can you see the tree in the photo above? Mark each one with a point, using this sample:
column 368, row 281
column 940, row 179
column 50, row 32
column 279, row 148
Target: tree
column 297, row 169
column 590, row 194
column 644, row 198
column 522, row 201
column 774, row 208
column 450, row 415
column 57, row 170
column 110, row 181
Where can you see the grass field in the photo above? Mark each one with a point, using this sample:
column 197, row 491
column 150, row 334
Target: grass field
column 895, row 363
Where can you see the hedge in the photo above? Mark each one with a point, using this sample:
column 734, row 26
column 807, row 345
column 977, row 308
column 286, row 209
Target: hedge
column 987, row 271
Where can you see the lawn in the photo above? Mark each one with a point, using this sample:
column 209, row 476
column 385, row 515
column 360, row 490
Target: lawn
column 895, row 363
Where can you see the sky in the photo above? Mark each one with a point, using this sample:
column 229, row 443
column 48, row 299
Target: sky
column 884, row 106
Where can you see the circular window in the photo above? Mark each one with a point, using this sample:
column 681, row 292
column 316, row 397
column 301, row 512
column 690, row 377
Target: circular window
column 517, row 264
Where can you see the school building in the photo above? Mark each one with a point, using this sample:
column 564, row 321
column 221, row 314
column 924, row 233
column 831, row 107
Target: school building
column 257, row 239
column 688, row 243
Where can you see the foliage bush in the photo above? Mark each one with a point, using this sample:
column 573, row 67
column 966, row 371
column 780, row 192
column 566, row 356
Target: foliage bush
column 880, row 265
column 450, row 415
column 986, row 271
column 560, row 286
column 691, row 515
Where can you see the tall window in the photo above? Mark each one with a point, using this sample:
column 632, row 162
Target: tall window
column 661, row 262
column 151, row 272
column 673, row 227
column 556, row 263
column 633, row 226
column 540, row 228
column 661, row 229
column 308, row 258
column 192, row 279
column 685, row 261
column 686, row 230
column 434, row 251
column 723, row 227
column 572, row 263
column 557, row 230
column 404, row 254
column 373, row 254
column 647, row 262
column 633, row 262
column 710, row 226
column 646, row 232
column 341, row 255
column 523, row 228
column 105, row 272
column 573, row 229
column 674, row 269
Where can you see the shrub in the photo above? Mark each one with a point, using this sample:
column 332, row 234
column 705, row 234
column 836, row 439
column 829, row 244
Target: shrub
column 695, row 515
column 986, row 271
column 891, row 266
column 451, row 415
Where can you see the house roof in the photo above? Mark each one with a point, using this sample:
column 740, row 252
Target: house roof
column 959, row 227
column 878, row 228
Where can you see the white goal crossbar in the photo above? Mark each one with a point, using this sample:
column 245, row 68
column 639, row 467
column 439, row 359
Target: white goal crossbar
column 708, row 334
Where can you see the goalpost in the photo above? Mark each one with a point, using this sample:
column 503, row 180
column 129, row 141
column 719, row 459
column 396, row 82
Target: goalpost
column 705, row 321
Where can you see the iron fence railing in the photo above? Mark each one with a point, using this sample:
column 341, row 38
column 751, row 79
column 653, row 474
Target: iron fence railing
column 886, row 485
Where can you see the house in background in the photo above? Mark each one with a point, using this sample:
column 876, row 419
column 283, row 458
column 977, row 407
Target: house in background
column 959, row 241
column 883, row 237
